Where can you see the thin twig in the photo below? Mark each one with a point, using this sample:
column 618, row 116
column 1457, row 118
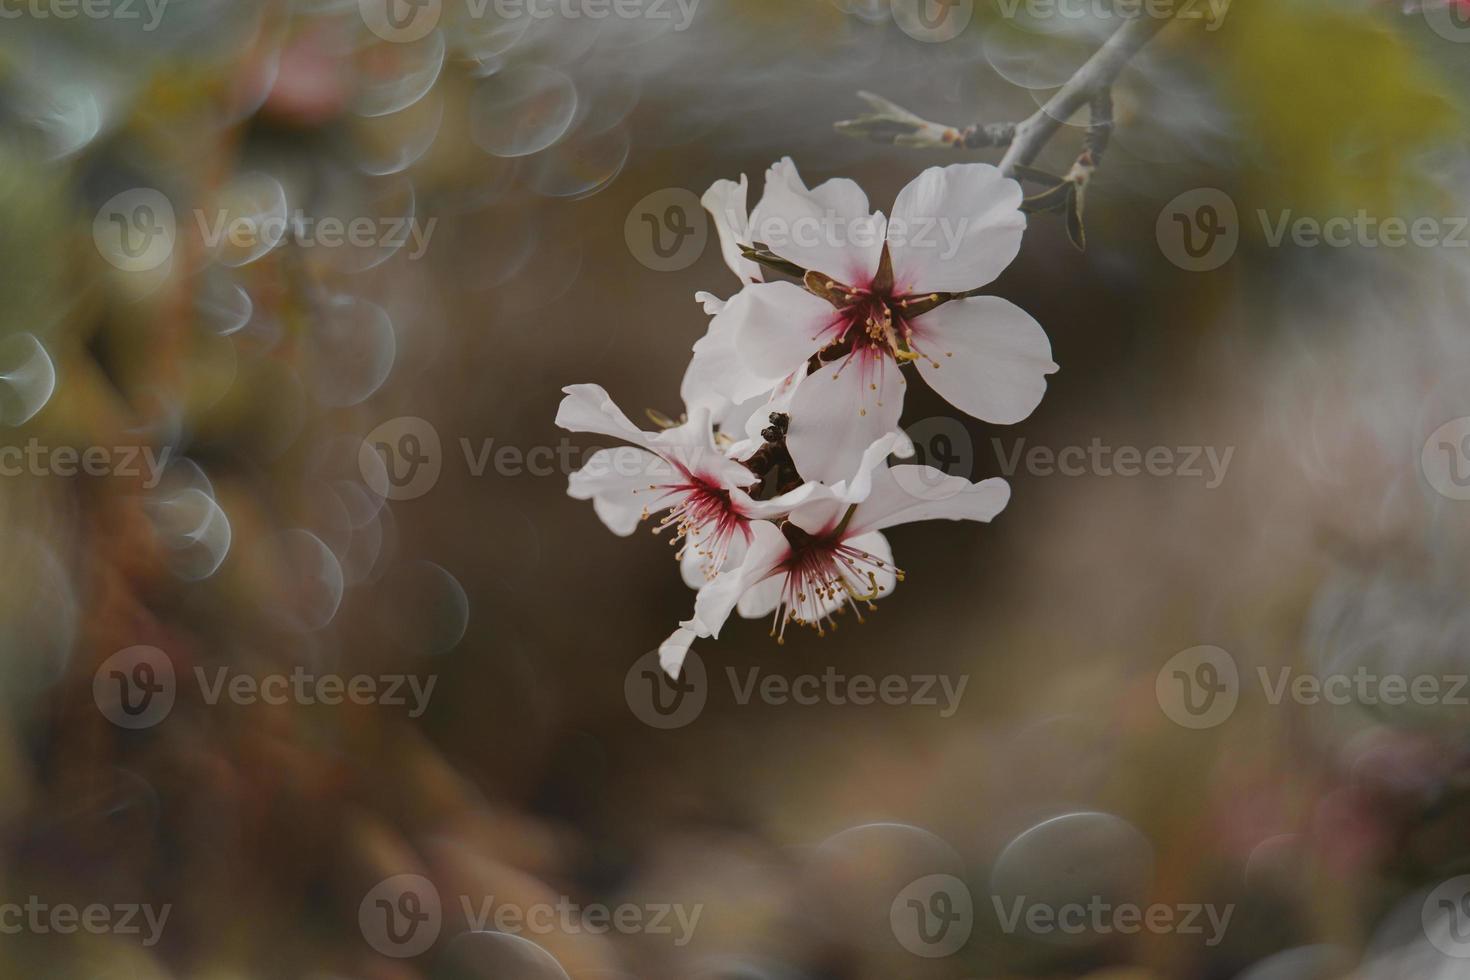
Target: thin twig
column 892, row 124
column 1099, row 73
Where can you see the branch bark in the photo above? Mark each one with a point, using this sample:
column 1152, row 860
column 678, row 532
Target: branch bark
column 1096, row 75
column 890, row 123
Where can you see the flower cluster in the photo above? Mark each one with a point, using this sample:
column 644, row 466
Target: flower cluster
column 776, row 484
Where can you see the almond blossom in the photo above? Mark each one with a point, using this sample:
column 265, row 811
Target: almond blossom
column 679, row 471
column 829, row 555
column 876, row 294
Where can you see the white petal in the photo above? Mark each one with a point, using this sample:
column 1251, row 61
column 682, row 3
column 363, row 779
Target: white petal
column 691, row 446
column 717, row 377
column 671, row 652
column 954, row 228
column 986, row 356
column 760, row 599
column 589, row 408
column 709, row 302
column 617, row 482
column 777, row 326
column 905, row 494
column 715, row 602
column 828, row 228
column 725, row 202
column 840, row 410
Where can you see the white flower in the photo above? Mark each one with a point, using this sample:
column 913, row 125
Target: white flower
column 880, row 293
column 680, row 471
column 829, row 555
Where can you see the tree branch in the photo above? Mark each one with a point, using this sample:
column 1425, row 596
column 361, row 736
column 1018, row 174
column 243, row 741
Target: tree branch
column 894, row 125
column 1098, row 74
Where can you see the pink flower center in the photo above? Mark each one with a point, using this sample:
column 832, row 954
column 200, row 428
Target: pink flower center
column 703, row 517
column 822, row 577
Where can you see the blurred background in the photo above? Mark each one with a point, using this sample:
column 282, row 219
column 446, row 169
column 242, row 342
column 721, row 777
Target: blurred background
column 290, row 292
